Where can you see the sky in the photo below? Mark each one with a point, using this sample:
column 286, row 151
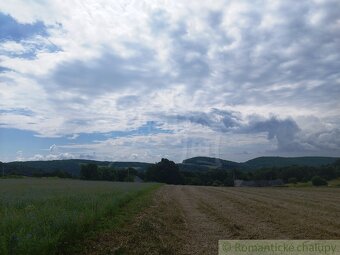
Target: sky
column 138, row 80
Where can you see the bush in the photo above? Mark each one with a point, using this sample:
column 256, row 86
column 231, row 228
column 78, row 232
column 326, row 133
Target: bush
column 318, row 181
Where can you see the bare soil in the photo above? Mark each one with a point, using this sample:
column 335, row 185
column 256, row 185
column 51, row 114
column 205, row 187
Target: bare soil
column 191, row 219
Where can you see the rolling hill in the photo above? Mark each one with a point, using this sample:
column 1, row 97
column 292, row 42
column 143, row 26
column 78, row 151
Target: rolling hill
column 261, row 162
column 71, row 166
column 206, row 163
column 196, row 164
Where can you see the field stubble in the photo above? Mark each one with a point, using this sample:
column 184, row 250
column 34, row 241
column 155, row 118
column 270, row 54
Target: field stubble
column 214, row 213
column 191, row 219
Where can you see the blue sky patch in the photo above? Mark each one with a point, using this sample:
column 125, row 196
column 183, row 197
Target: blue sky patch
column 30, row 143
column 4, row 69
column 10, row 29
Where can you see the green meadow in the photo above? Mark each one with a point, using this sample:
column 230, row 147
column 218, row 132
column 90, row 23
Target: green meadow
column 43, row 216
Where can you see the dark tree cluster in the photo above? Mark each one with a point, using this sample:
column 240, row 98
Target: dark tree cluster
column 107, row 173
column 213, row 177
column 294, row 174
column 57, row 173
column 168, row 172
column 165, row 171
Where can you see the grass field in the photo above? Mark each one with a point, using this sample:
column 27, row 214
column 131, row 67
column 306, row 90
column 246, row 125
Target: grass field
column 42, row 216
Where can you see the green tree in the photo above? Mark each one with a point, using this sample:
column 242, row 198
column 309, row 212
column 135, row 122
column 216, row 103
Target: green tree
column 89, row 171
column 165, row 171
column 107, row 173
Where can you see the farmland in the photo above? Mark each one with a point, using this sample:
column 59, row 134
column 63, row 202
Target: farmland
column 54, row 216
column 215, row 213
column 41, row 216
column 191, row 219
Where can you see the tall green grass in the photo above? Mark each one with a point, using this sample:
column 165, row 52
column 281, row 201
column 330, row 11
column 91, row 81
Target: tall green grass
column 38, row 216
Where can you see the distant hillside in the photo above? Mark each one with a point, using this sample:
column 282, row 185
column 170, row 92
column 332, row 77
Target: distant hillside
column 262, row 162
column 71, row 166
column 196, row 164
column 206, row 163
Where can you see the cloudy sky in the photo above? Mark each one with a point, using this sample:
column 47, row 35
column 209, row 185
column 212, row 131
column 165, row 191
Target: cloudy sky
column 140, row 80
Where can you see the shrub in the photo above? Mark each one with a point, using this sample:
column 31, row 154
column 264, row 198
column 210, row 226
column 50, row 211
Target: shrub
column 318, row 181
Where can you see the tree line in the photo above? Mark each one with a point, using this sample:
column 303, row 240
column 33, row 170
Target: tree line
column 293, row 174
column 107, row 173
column 167, row 171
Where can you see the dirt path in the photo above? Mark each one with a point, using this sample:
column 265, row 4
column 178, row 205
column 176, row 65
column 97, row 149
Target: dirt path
column 190, row 219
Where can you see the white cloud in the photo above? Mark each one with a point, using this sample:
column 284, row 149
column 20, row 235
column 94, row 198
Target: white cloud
column 11, row 46
column 19, row 156
column 39, row 157
column 120, row 64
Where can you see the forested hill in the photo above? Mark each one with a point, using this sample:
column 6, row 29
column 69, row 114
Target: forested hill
column 263, row 162
column 206, row 163
column 71, row 166
column 196, row 164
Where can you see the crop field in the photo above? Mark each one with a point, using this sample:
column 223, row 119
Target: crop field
column 38, row 216
column 41, row 216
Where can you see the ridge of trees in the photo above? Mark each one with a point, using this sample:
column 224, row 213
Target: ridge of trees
column 107, row 173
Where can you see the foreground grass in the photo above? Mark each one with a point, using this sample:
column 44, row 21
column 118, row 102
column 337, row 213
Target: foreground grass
column 41, row 216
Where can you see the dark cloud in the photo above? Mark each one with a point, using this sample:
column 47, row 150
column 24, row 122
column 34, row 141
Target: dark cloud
column 286, row 133
column 215, row 18
column 107, row 73
column 127, row 102
column 189, row 58
column 221, row 121
column 325, row 140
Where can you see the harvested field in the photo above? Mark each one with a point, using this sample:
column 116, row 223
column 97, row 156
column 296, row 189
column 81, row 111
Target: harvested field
column 214, row 213
column 191, row 219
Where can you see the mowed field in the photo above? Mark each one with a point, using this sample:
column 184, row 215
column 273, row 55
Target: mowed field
column 47, row 216
column 213, row 213
column 191, row 219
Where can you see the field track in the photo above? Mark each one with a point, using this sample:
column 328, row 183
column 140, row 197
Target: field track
column 191, row 219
